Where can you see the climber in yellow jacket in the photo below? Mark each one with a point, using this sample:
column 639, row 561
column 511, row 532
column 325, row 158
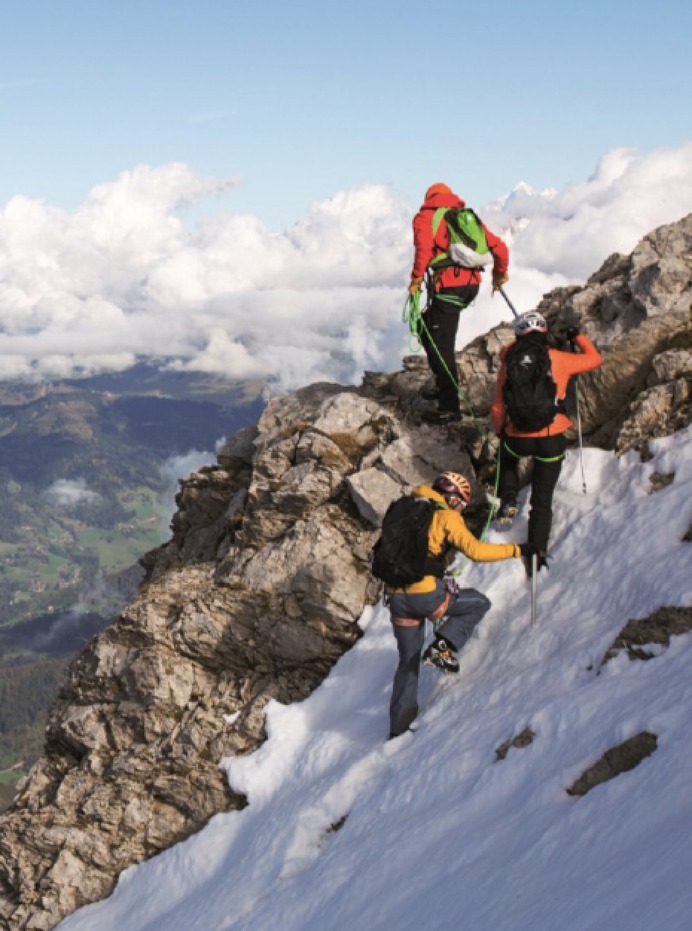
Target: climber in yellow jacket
column 455, row 611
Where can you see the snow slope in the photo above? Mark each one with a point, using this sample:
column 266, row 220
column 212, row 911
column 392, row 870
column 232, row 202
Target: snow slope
column 439, row 834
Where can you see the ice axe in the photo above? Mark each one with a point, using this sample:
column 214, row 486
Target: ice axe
column 511, row 305
column 573, row 347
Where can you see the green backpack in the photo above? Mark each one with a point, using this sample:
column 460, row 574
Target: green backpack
column 468, row 245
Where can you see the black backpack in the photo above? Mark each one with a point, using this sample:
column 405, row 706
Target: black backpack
column 529, row 390
column 400, row 556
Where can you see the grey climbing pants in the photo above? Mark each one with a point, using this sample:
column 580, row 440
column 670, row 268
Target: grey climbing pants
column 464, row 611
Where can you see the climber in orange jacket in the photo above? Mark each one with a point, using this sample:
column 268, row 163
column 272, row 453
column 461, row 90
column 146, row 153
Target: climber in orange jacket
column 547, row 444
column 454, row 288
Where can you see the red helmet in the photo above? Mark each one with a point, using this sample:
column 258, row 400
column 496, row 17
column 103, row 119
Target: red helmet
column 452, row 483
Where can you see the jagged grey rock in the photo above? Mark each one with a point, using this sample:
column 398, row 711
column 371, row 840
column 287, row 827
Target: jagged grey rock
column 638, row 310
column 255, row 597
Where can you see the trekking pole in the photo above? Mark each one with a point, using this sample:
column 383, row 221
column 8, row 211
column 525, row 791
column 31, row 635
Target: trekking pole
column 511, row 305
column 581, row 441
column 579, row 433
column 534, row 586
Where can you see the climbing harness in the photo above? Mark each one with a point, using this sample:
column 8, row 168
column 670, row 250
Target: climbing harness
column 412, row 316
column 508, row 448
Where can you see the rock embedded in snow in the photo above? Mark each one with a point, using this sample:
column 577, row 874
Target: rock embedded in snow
column 616, row 760
column 640, row 636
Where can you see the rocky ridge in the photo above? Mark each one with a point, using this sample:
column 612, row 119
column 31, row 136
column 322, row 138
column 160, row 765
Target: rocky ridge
column 260, row 588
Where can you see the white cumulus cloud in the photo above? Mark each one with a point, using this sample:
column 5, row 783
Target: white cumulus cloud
column 69, row 492
column 127, row 275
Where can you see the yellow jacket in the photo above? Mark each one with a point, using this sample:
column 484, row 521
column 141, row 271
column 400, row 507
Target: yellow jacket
column 448, row 533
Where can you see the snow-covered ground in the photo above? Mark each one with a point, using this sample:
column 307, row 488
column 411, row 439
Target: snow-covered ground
column 439, row 834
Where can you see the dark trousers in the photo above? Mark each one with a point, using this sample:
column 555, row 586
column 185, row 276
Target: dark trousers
column 465, row 610
column 548, row 453
column 439, row 336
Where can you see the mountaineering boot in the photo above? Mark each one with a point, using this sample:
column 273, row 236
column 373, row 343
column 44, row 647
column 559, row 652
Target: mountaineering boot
column 440, row 653
column 394, row 734
column 441, row 417
column 430, row 393
column 507, row 511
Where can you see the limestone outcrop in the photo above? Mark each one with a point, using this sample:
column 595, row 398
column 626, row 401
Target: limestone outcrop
column 638, row 311
column 255, row 597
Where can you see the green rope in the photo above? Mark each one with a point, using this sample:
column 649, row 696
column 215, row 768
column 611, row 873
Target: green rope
column 414, row 318
column 491, row 513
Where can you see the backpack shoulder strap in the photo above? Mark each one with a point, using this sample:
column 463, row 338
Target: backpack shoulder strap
column 437, row 219
column 441, row 257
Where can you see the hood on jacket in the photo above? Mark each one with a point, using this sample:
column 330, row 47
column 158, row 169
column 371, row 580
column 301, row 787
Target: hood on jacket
column 425, row 491
column 439, row 195
column 438, row 188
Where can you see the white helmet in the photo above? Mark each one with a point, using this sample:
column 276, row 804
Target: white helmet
column 530, row 322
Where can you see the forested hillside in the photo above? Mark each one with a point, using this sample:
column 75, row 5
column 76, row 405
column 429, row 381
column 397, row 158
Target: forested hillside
column 25, row 694
column 86, row 494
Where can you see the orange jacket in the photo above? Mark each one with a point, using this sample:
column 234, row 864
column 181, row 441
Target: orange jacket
column 563, row 366
column 427, row 247
column 449, row 532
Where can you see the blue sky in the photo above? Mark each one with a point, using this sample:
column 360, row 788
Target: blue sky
column 301, row 101
column 229, row 186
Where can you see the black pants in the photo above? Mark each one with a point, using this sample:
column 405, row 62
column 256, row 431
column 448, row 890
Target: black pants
column 439, row 336
column 548, row 453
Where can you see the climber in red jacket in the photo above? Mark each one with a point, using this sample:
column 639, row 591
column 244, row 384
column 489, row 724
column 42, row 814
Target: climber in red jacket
column 454, row 287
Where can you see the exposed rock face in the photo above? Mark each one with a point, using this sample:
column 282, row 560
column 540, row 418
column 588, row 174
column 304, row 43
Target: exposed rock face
column 638, row 311
column 255, row 597
column 259, row 590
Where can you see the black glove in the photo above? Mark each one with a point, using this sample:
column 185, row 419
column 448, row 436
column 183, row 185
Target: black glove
column 528, row 551
column 572, row 332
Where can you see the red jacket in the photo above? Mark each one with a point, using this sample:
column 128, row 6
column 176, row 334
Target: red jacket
column 427, row 247
column 563, row 366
